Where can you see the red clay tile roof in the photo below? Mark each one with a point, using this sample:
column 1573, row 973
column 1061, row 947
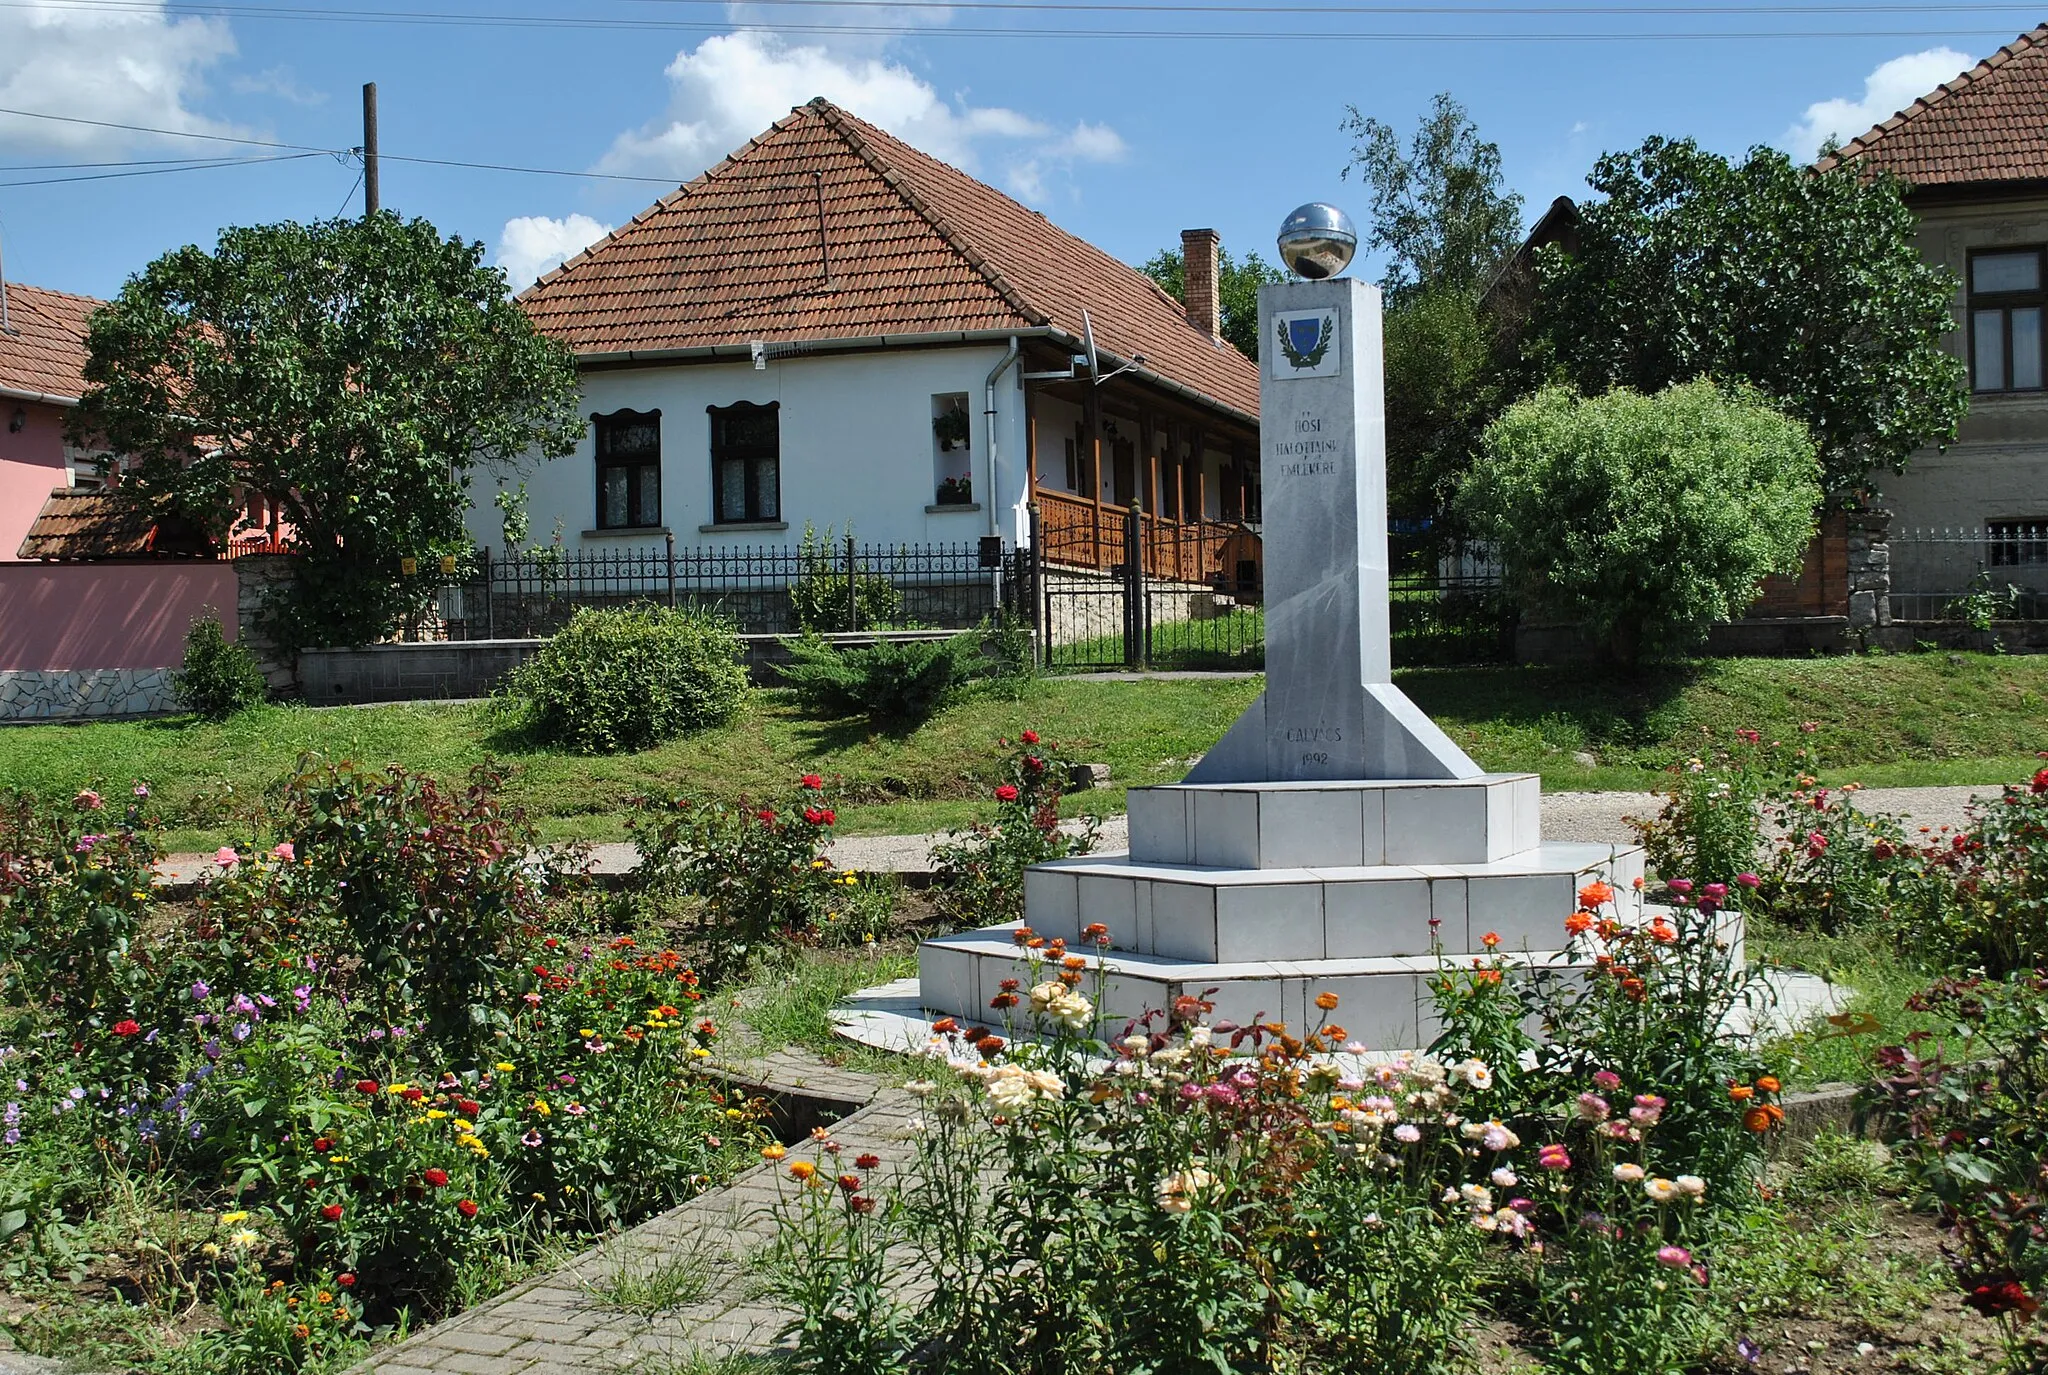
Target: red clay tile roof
column 45, row 355
column 98, row 525
column 1990, row 124
column 913, row 246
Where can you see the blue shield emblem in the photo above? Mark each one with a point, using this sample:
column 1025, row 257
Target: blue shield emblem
column 1305, row 333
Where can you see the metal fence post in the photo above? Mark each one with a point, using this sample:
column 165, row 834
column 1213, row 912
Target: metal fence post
column 490, row 596
column 852, row 587
column 670, row 541
column 1134, row 587
column 1034, row 594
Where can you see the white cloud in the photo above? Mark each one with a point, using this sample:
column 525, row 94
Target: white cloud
column 732, row 86
column 1580, row 127
column 1891, row 88
column 280, row 82
column 533, row 244
column 128, row 66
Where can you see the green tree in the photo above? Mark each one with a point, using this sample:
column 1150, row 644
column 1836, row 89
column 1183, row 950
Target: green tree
column 1440, row 215
column 1237, row 290
column 1806, row 285
column 1438, row 210
column 1644, row 518
column 354, row 371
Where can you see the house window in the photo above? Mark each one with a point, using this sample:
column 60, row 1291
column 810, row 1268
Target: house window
column 2010, row 543
column 746, row 462
column 628, row 469
column 2006, row 300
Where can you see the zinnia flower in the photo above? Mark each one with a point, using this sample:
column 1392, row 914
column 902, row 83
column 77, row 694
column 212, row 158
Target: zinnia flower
column 127, row 1026
column 332, row 1212
column 466, row 1207
column 1676, row 1257
column 437, row 1177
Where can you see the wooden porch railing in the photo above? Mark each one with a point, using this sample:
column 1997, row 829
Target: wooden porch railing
column 1078, row 533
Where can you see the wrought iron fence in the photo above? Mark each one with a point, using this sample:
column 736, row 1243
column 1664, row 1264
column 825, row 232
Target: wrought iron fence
column 774, row 590
column 1994, row 572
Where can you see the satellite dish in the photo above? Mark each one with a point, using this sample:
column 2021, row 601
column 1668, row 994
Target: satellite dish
column 1088, row 337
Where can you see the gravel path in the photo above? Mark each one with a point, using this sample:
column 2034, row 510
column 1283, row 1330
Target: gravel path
column 1596, row 817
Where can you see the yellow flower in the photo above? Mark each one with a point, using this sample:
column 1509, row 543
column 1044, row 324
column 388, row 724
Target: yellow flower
column 435, row 1114
column 230, row 1219
column 467, row 1140
column 734, row 1113
column 396, row 1088
column 540, row 1105
column 774, row 1152
column 700, row 1053
column 503, row 1067
column 463, row 1124
column 244, row 1238
column 801, row 1170
column 587, row 1033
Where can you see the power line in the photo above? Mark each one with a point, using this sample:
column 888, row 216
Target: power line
column 533, row 171
column 170, row 133
column 548, row 21
column 160, row 171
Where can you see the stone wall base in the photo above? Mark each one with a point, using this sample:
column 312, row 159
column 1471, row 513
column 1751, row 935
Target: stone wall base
column 28, row 694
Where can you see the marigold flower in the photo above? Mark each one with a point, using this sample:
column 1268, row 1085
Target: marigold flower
column 466, row 1207
column 945, row 1026
column 230, row 1219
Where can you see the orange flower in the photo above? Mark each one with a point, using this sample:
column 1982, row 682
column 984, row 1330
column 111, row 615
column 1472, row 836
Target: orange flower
column 1490, row 939
column 773, row 1152
column 801, row 1170
column 1596, row 893
column 1767, row 1083
column 1663, row 932
column 1742, row 1093
column 1326, row 1001
column 1578, row 923
column 1075, row 962
column 1757, row 1119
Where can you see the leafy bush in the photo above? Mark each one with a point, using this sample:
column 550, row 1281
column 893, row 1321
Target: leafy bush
column 1982, row 894
column 1644, row 518
column 980, row 871
column 624, row 679
column 891, row 682
column 756, row 868
column 1968, row 1119
column 824, row 600
column 218, row 679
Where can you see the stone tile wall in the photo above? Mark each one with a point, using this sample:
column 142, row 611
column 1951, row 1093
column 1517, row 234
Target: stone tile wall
column 28, row 694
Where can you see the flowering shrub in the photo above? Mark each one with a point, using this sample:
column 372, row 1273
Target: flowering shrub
column 1707, row 827
column 757, row 868
column 981, row 871
column 1984, row 890
column 1969, row 1120
column 360, row 1043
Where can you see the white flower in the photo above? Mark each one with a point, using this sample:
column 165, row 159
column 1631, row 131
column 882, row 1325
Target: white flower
column 1511, row 1222
column 1170, row 1057
column 1498, row 1138
column 1198, row 1039
column 1474, row 1073
column 1477, row 1195
column 1125, row 1069
column 1043, row 994
column 1503, row 1178
column 1012, row 1095
column 1137, row 1045
column 1408, row 1133
column 1627, row 1173
column 1048, row 1084
column 1660, row 1190
column 1178, row 1191
column 920, row 1088
column 243, row 1239
column 1691, row 1185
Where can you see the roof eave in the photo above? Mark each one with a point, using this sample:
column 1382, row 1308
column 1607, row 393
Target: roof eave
column 46, row 398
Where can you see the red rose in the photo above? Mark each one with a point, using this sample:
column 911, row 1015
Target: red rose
column 467, row 1207
column 332, row 1212
column 1030, row 737
column 813, row 782
column 366, row 1086
column 814, row 815
column 345, row 1280
column 1007, row 793
column 127, row 1026
column 1033, row 764
column 436, row 1177
column 2040, row 784
column 830, row 816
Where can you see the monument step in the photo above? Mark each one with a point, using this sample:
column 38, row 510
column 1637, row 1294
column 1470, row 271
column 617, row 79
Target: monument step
column 1322, row 824
column 1186, row 912
column 1382, row 1002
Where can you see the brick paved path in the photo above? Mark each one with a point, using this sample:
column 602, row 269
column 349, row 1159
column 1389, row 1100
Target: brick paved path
column 556, row 1322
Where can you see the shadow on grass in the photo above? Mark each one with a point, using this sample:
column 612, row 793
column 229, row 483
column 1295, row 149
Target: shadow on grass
column 1607, row 707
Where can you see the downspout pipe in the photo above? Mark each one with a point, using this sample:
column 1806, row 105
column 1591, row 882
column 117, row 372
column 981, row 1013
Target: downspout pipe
column 995, row 374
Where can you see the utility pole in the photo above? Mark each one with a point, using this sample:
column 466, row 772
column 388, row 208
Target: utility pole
column 372, row 202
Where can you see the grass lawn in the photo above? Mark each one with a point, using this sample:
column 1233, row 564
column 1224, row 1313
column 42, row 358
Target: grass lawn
column 1887, row 721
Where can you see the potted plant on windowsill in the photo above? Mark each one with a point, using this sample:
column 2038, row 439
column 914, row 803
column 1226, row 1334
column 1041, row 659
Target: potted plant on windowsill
column 955, row 491
column 950, row 429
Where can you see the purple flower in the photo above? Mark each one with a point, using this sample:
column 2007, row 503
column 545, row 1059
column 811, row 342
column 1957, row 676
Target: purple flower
column 142, row 790
column 304, row 995
column 567, row 1081
column 200, row 992
column 211, row 1050
column 530, row 1140
column 76, row 1094
column 266, row 1000
column 241, row 1031
column 243, row 1005
column 1749, row 1351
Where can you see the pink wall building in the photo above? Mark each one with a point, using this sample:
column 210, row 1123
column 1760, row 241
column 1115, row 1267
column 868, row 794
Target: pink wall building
column 42, row 372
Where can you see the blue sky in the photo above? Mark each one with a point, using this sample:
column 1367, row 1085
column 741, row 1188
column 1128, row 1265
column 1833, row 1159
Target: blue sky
column 1124, row 140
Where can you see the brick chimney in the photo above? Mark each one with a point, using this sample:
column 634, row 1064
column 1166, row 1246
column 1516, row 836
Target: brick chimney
column 1199, row 249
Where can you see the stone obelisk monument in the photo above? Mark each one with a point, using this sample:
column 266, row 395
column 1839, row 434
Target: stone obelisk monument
column 1335, row 839
column 1330, row 709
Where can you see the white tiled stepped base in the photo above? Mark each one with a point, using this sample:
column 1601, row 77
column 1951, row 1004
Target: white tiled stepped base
column 1331, row 824
column 1357, row 912
column 1267, row 941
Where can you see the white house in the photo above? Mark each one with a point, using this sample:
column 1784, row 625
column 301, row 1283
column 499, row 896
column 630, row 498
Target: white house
column 830, row 327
